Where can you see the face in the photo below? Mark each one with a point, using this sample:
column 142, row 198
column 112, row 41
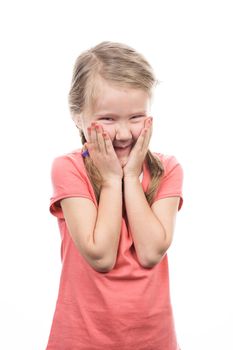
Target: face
column 122, row 112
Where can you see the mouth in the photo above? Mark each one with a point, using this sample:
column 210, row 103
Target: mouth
column 122, row 148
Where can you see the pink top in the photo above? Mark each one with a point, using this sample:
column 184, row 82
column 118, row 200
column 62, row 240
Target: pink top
column 127, row 308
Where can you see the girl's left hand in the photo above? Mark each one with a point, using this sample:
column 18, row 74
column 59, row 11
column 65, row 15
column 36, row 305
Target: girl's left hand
column 133, row 167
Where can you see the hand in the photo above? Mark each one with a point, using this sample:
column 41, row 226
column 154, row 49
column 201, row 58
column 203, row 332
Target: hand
column 103, row 154
column 133, row 167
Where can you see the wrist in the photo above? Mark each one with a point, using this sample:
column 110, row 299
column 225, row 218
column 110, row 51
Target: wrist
column 112, row 182
column 131, row 178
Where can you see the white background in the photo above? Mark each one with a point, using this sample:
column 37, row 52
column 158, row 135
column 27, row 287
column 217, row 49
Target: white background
column 189, row 44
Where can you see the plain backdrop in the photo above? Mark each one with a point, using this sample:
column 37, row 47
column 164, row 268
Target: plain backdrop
column 189, row 44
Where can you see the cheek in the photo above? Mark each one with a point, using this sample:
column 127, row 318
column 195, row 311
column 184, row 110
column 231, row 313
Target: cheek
column 110, row 130
column 136, row 130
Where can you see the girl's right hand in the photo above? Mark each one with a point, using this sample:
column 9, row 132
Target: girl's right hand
column 103, row 154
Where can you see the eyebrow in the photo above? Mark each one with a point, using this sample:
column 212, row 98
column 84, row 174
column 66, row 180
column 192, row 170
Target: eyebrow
column 117, row 116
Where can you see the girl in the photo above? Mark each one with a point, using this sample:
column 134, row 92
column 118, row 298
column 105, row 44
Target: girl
column 116, row 204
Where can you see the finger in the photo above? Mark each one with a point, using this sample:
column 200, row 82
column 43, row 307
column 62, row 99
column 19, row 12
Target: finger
column 140, row 141
column 91, row 144
column 93, row 137
column 108, row 143
column 147, row 121
column 100, row 139
column 148, row 135
column 146, row 142
column 147, row 127
column 90, row 133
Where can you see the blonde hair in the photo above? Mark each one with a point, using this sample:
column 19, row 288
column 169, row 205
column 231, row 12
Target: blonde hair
column 121, row 65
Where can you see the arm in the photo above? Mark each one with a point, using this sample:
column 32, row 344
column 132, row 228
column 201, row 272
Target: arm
column 152, row 228
column 96, row 232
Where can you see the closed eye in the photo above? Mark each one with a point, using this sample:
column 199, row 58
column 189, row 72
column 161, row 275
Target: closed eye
column 137, row 116
column 109, row 119
column 112, row 119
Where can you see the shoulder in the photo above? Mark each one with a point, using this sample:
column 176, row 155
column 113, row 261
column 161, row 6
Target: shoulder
column 69, row 179
column 73, row 156
column 171, row 183
column 169, row 161
column 69, row 168
column 70, row 160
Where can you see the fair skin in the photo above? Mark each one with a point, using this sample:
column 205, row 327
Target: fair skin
column 122, row 113
column 118, row 133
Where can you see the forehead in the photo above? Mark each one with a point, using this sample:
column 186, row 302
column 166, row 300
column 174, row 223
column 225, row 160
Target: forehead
column 120, row 100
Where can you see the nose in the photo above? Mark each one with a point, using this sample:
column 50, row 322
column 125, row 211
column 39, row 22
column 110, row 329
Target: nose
column 123, row 133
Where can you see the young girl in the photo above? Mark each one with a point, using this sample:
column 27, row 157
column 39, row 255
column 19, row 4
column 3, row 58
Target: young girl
column 116, row 205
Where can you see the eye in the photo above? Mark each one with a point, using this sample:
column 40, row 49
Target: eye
column 137, row 116
column 106, row 118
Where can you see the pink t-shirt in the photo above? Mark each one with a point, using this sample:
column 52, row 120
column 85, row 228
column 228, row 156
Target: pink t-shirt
column 128, row 308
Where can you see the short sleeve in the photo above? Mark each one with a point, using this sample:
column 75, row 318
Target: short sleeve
column 68, row 180
column 171, row 184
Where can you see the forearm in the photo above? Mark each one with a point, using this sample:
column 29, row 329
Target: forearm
column 149, row 235
column 108, row 223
